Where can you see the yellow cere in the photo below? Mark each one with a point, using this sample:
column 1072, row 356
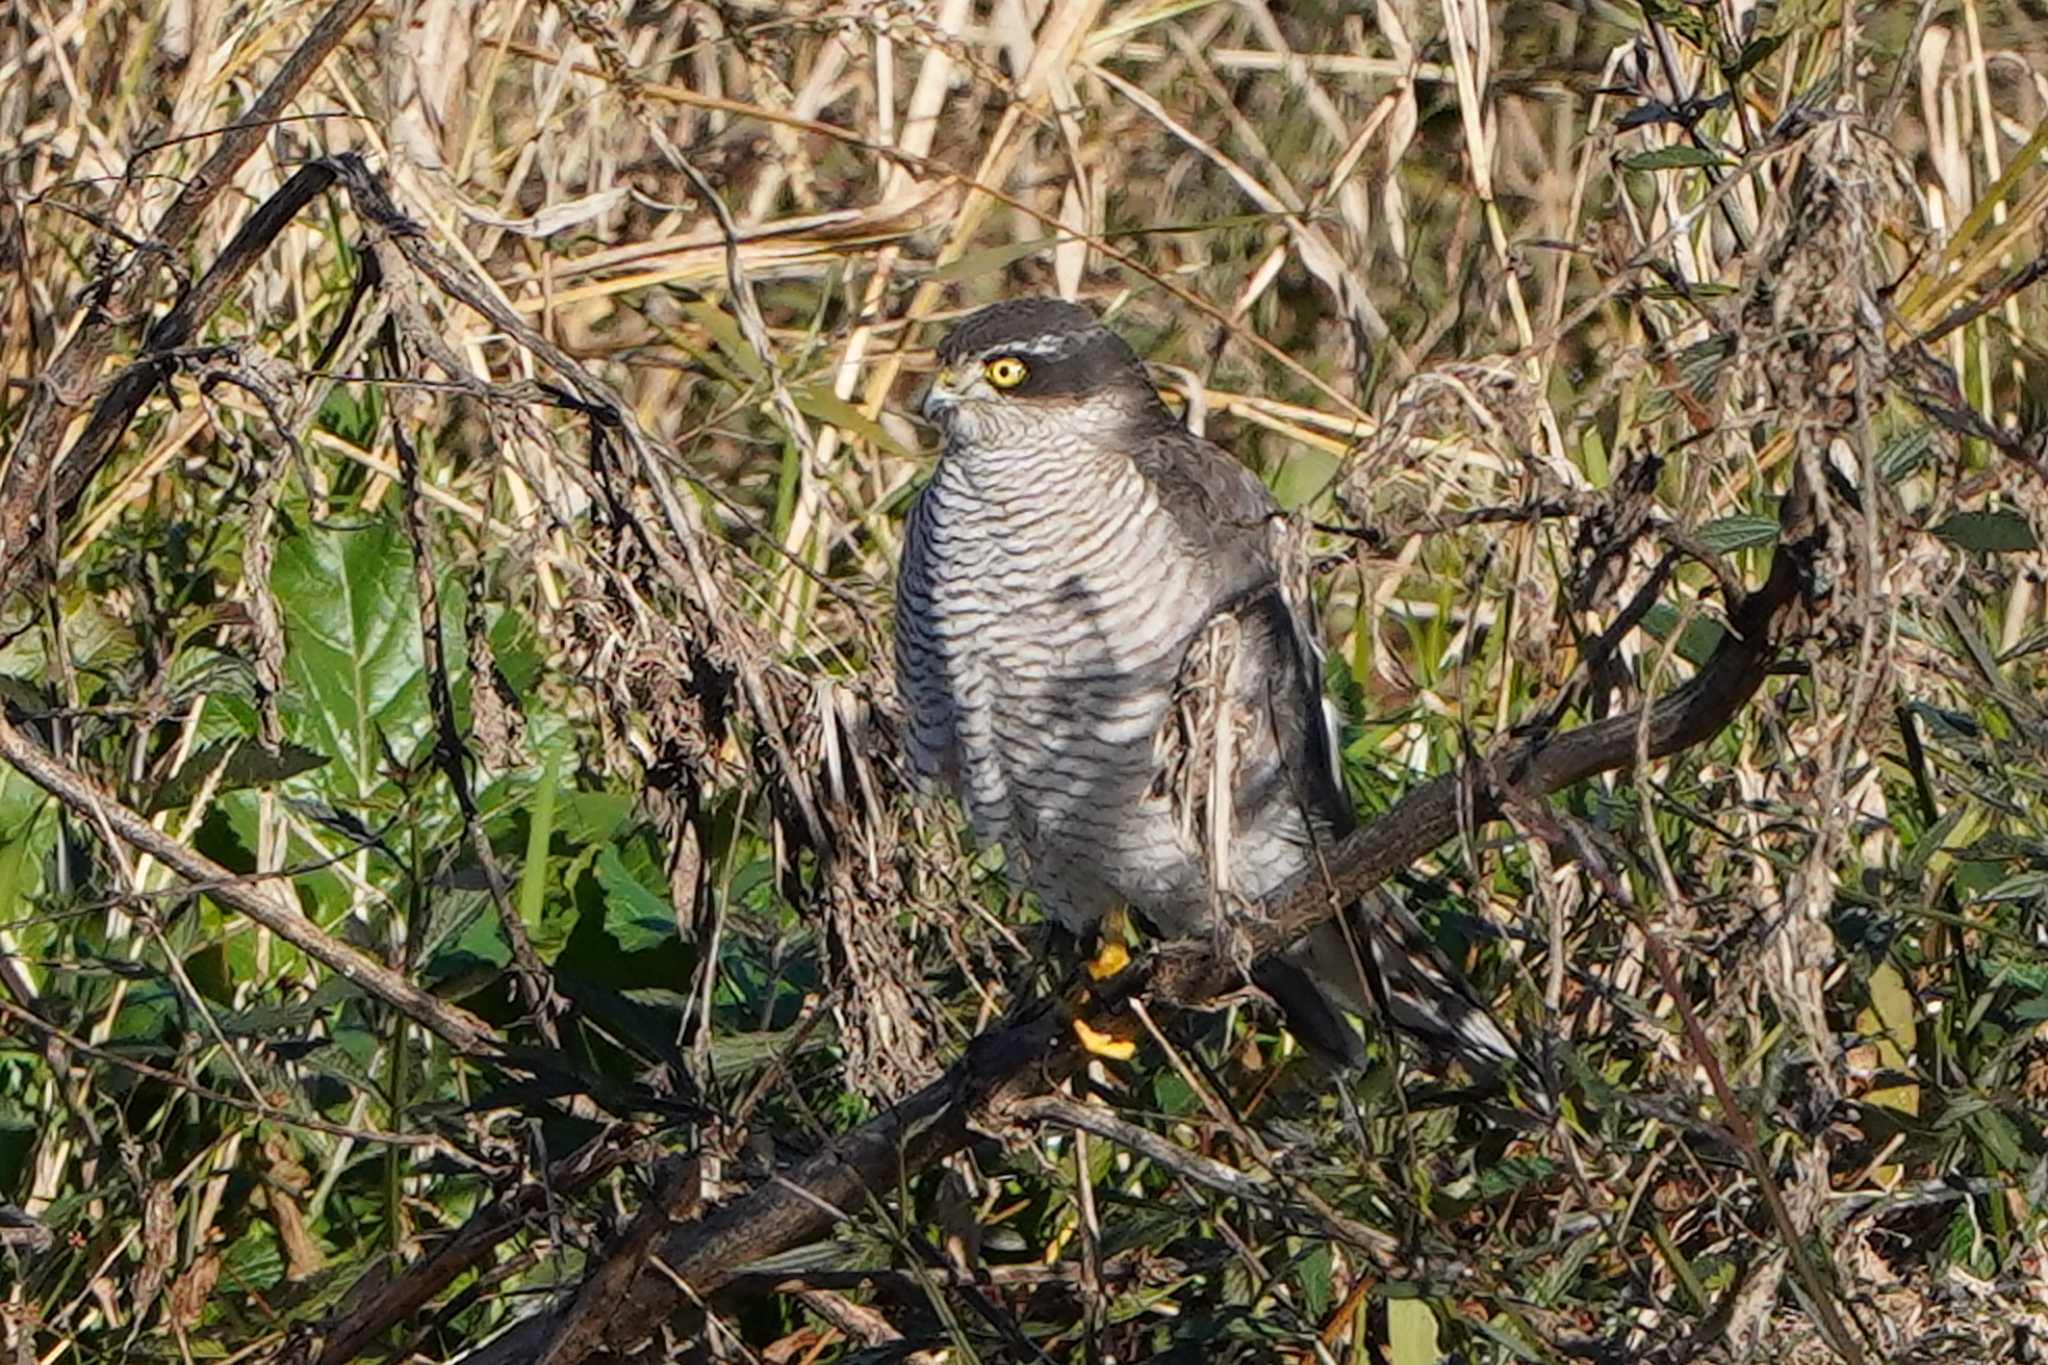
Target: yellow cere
column 1005, row 371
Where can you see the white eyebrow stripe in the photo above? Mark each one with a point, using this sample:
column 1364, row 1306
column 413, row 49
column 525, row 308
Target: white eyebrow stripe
column 1049, row 344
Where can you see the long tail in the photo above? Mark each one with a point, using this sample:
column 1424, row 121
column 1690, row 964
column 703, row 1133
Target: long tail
column 1377, row 961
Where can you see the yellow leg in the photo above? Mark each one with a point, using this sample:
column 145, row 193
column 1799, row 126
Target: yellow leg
column 1113, row 936
column 1112, row 945
column 1104, row 1044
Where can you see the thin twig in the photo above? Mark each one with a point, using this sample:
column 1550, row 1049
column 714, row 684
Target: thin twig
column 67, row 383
column 265, row 902
column 1005, row 1068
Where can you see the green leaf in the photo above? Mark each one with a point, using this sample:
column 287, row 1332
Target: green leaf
column 1512, row 1173
column 1890, row 1021
column 242, row 762
column 818, row 401
column 725, row 333
column 1956, row 827
column 1739, row 532
column 1679, row 157
column 28, row 831
column 636, row 918
column 1702, row 633
column 1989, row 532
column 1704, row 289
column 1411, row 1333
column 1904, row 453
column 540, row 828
column 1753, row 52
column 989, row 259
column 1961, row 1242
column 1675, row 1257
column 735, row 1054
column 352, row 648
column 1314, row 1268
column 1999, row 1139
column 1305, row 476
column 1893, row 1004
column 1171, row 1094
column 2019, row 886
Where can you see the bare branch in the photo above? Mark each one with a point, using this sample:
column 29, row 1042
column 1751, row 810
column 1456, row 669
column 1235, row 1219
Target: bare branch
column 268, row 903
column 32, row 478
column 1001, row 1070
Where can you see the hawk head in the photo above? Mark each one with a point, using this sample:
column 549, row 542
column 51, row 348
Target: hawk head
column 1031, row 363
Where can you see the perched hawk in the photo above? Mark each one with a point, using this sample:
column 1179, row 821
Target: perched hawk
column 1105, row 656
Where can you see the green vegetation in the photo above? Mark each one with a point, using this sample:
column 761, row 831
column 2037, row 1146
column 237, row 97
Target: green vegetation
column 454, row 839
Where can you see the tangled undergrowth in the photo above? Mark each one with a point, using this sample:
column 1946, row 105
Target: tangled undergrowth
column 459, row 898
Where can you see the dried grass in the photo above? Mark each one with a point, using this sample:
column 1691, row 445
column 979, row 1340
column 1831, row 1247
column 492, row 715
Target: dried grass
column 1534, row 313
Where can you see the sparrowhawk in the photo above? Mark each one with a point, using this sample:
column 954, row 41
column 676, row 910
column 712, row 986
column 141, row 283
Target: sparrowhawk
column 1098, row 613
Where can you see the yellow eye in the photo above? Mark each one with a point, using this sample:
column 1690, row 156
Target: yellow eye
column 1005, row 371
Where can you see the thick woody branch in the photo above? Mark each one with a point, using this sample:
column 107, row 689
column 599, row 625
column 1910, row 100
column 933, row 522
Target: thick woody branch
column 989, row 1086
column 1544, row 763
column 837, row 1184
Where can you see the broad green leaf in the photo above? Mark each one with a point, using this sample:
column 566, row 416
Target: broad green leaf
column 242, row 763
column 540, row 829
column 818, row 400
column 1512, row 1173
column 591, row 817
column 352, row 648
column 1890, row 1020
column 1305, row 476
column 1989, row 532
column 1735, row 533
column 1411, row 1333
column 1314, row 1268
column 1893, row 1005
column 28, row 831
column 1755, row 51
column 1702, row 633
column 635, row 917
column 1673, row 158
column 1172, row 1094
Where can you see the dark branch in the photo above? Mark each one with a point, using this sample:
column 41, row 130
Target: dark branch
column 1004, row 1067
column 1546, row 763
column 29, row 490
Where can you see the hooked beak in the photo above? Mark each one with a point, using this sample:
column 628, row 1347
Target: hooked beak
column 940, row 395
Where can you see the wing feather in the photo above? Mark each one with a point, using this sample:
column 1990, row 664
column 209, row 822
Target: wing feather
column 1377, row 960
column 933, row 734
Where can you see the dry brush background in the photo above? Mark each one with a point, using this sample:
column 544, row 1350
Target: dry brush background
column 458, row 899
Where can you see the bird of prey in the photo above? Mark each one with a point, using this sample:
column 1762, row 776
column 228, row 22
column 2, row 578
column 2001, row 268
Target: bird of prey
column 1108, row 654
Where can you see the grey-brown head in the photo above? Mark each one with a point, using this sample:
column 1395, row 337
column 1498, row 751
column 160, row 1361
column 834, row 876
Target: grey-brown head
column 1033, row 363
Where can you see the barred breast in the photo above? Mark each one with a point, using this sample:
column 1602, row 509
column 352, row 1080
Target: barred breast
column 1044, row 606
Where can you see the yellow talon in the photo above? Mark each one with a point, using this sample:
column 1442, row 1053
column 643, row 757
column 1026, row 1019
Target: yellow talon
column 1113, row 935
column 1111, row 958
column 1104, row 1044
